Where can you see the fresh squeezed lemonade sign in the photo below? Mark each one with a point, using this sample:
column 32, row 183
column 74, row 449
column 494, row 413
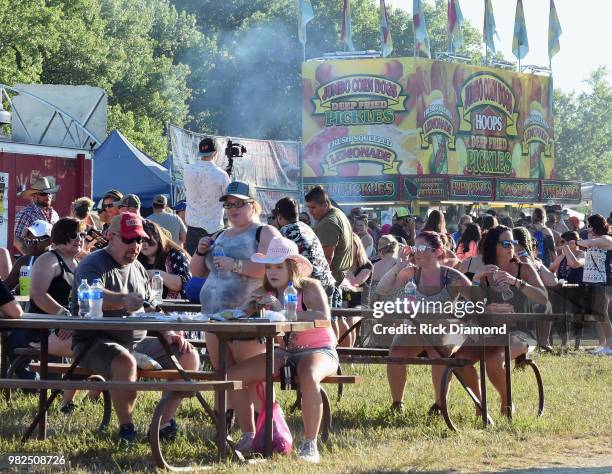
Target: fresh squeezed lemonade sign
column 373, row 117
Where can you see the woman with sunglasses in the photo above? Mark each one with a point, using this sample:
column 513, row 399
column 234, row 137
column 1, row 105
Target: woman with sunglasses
column 434, row 283
column 598, row 275
column 160, row 254
column 503, row 274
column 52, row 281
column 311, row 354
column 232, row 277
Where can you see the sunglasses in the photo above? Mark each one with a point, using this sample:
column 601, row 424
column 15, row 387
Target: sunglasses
column 43, row 194
column 421, row 248
column 108, row 206
column 138, row 240
column 79, row 236
column 235, row 205
column 508, row 243
column 36, row 240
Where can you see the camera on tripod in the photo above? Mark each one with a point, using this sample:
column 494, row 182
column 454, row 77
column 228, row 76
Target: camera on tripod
column 234, row 150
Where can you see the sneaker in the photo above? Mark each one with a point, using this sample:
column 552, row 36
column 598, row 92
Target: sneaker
column 68, row 407
column 607, row 351
column 245, row 444
column 169, row 431
column 127, row 434
column 309, row 452
column 598, row 351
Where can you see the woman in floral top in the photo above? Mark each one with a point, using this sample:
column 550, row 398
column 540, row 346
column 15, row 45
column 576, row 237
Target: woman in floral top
column 160, row 253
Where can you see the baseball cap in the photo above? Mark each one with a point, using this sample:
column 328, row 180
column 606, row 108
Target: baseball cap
column 127, row 225
column 160, row 200
column 40, row 228
column 240, row 190
column 180, row 206
column 114, row 194
column 207, row 146
column 130, row 200
column 401, row 212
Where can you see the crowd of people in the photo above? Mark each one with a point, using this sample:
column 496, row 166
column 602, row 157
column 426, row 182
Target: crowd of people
column 217, row 243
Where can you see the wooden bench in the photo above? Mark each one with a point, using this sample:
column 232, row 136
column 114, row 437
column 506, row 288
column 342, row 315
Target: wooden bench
column 58, row 368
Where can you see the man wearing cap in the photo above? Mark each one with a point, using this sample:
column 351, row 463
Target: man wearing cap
column 110, row 207
column 40, row 195
column 179, row 208
column 171, row 222
column 401, row 226
column 205, row 183
column 126, row 291
column 130, row 203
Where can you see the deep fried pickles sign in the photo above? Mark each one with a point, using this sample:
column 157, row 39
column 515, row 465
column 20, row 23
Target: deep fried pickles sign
column 414, row 116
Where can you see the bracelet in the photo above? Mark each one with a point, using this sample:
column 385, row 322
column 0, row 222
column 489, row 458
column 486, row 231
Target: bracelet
column 237, row 266
column 522, row 284
column 200, row 253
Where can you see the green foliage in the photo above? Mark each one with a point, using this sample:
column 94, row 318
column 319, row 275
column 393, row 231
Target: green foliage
column 583, row 131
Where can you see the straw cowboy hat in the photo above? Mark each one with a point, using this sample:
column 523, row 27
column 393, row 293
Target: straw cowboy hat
column 281, row 249
column 41, row 185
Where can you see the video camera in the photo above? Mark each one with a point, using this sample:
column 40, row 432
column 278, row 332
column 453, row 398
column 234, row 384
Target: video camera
column 233, row 150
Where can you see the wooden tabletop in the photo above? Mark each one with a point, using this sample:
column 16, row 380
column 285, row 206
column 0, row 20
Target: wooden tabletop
column 254, row 328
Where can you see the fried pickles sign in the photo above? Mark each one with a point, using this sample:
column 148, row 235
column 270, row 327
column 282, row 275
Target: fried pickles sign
column 412, row 116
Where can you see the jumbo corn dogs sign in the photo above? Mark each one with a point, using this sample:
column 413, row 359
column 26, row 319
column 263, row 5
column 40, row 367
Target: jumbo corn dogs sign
column 392, row 117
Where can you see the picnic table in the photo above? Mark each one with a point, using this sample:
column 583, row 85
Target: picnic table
column 484, row 319
column 223, row 330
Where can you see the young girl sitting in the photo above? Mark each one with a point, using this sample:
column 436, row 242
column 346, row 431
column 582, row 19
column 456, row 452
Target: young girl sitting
column 312, row 353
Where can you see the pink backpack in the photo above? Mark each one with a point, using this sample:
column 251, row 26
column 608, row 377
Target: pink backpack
column 282, row 441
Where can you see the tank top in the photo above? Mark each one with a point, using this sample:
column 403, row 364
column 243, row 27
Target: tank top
column 315, row 338
column 442, row 295
column 228, row 290
column 569, row 274
column 60, row 286
column 468, row 273
column 598, row 266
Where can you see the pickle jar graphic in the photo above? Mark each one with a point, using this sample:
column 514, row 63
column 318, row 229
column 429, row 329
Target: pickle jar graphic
column 436, row 128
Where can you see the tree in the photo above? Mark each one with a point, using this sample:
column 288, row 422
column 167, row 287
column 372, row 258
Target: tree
column 583, row 130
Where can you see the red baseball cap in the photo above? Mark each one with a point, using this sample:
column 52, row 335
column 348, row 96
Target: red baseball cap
column 128, row 225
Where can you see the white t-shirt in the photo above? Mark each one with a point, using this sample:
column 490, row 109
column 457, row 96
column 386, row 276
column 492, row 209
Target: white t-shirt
column 205, row 183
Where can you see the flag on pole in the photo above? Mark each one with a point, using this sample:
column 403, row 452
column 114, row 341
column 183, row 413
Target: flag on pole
column 554, row 32
column 305, row 15
column 421, row 38
column 386, row 42
column 520, row 43
column 455, row 25
column 347, row 26
column 489, row 27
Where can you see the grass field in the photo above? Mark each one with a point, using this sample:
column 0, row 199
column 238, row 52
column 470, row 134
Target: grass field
column 366, row 435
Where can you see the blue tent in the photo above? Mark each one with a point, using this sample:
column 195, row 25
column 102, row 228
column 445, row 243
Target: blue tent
column 120, row 165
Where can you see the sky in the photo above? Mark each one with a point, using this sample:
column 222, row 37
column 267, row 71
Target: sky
column 585, row 43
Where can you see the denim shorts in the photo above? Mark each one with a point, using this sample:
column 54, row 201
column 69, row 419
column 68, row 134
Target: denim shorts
column 294, row 358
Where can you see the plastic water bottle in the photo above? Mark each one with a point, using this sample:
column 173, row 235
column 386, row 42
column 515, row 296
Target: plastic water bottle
column 505, row 290
column 290, row 297
column 83, row 295
column 157, row 288
column 96, row 295
column 217, row 251
column 410, row 291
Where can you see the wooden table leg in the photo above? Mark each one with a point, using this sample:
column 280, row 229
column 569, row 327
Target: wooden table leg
column 508, row 363
column 4, row 361
column 221, row 401
column 44, row 375
column 269, row 394
column 483, row 383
